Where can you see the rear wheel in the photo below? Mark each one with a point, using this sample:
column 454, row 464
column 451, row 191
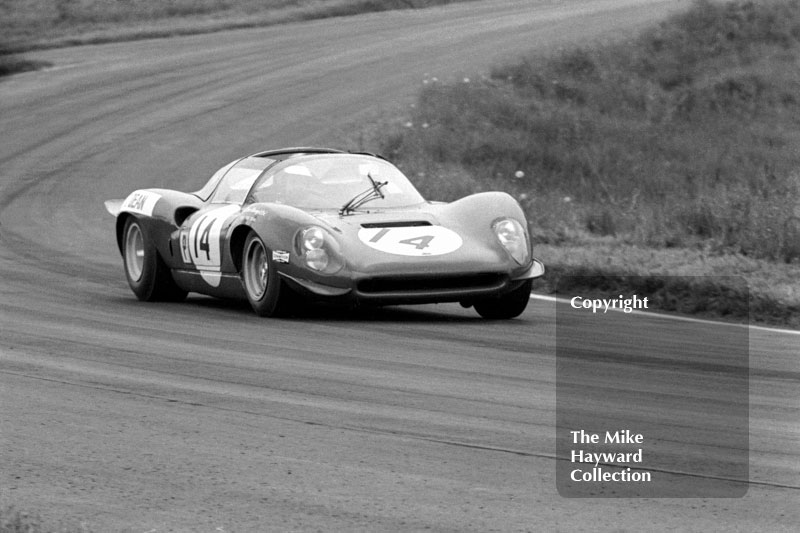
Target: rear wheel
column 262, row 284
column 148, row 276
column 509, row 305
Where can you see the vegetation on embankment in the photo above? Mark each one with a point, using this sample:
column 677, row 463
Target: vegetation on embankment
column 685, row 137
column 687, row 281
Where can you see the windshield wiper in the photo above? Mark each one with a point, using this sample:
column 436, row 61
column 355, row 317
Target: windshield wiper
column 373, row 193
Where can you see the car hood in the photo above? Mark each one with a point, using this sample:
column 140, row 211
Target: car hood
column 429, row 238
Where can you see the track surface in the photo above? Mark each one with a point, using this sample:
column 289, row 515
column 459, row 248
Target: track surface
column 201, row 417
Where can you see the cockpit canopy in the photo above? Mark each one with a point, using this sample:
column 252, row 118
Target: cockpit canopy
column 310, row 181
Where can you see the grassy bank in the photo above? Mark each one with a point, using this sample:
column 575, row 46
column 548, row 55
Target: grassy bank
column 684, row 138
column 688, row 281
column 33, row 24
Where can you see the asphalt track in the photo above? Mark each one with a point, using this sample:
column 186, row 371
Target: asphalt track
column 200, row 416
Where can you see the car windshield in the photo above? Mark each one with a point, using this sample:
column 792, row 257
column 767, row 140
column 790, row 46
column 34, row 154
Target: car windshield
column 329, row 181
column 237, row 179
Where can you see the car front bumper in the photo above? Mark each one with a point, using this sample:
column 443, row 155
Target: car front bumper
column 416, row 288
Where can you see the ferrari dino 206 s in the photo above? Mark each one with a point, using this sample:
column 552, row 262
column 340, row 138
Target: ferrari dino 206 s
column 301, row 224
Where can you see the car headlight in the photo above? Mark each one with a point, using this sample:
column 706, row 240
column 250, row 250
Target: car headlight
column 319, row 250
column 512, row 236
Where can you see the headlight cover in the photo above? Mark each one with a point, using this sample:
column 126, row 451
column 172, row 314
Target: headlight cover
column 319, row 250
column 512, row 236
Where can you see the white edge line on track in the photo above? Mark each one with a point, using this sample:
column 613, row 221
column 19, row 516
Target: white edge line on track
column 682, row 318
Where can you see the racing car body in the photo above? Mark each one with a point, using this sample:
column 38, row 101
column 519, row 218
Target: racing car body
column 284, row 226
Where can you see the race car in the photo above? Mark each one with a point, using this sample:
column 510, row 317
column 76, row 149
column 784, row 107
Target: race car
column 284, row 228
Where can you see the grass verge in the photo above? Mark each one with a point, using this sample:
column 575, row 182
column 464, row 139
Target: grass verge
column 16, row 64
column 727, row 286
column 15, row 521
column 37, row 24
column 680, row 143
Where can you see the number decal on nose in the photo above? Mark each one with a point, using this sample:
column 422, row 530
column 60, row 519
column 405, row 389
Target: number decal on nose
column 420, row 243
column 412, row 241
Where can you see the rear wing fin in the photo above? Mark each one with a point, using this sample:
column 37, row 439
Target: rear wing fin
column 114, row 206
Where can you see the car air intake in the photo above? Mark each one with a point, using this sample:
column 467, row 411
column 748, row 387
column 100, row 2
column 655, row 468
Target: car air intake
column 430, row 283
column 401, row 224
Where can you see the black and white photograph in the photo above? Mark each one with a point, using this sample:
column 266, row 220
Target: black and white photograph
column 399, row 265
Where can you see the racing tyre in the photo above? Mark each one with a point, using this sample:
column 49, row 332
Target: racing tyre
column 148, row 276
column 509, row 305
column 261, row 281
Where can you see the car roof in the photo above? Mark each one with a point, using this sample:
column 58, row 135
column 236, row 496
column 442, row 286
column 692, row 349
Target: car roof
column 275, row 157
column 286, row 153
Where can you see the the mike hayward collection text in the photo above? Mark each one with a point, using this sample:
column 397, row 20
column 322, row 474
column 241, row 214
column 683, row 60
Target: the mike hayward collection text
column 606, row 465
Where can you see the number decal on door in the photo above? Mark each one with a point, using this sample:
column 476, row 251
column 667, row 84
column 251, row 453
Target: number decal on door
column 204, row 240
column 201, row 244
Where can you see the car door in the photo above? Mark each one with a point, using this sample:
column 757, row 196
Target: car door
column 202, row 237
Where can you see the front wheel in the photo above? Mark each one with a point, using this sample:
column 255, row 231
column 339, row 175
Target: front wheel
column 261, row 281
column 509, row 305
column 148, row 276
